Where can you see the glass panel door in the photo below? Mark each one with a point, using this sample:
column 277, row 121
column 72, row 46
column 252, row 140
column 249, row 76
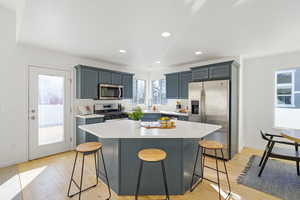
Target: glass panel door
column 49, row 112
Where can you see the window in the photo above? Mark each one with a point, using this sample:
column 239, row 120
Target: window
column 285, row 88
column 139, row 91
column 287, row 99
column 159, row 92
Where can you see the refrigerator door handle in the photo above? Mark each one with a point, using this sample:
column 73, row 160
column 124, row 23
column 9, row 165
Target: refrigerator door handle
column 202, row 105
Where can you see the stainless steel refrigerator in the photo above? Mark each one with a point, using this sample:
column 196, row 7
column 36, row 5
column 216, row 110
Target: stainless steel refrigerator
column 211, row 102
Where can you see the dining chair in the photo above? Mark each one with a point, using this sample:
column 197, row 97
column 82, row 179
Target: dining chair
column 276, row 152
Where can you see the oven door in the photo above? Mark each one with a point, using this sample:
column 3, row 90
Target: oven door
column 110, row 91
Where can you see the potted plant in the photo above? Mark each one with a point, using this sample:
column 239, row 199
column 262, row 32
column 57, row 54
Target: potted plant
column 137, row 114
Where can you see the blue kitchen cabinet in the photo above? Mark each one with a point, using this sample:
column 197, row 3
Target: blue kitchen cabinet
column 200, row 74
column 82, row 136
column 172, row 86
column 86, row 82
column 157, row 116
column 217, row 71
column 220, row 71
column 177, row 84
column 127, row 82
column 184, row 79
column 116, row 78
column 105, row 77
column 151, row 117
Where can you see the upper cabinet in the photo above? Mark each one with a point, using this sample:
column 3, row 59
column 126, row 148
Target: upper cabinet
column 127, row 82
column 172, row 85
column 222, row 71
column 88, row 79
column 200, row 74
column 184, row 79
column 177, row 84
column 86, row 83
column 216, row 71
column 105, row 77
column 116, row 78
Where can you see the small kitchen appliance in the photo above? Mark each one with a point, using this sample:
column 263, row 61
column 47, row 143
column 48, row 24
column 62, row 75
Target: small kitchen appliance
column 110, row 92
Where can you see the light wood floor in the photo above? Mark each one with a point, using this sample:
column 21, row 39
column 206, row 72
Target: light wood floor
column 48, row 179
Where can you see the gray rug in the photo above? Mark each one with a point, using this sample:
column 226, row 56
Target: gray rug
column 10, row 185
column 278, row 178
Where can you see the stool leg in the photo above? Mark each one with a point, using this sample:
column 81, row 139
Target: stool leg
column 226, row 171
column 191, row 186
column 217, row 167
column 139, row 180
column 165, row 179
column 96, row 167
column 81, row 179
column 72, row 174
column 108, row 186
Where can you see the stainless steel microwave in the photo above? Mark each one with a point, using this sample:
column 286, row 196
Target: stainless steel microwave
column 110, row 92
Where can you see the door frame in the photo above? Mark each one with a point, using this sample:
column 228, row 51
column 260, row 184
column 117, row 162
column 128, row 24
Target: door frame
column 71, row 99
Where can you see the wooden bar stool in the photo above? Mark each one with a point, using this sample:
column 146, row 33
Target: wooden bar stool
column 85, row 149
column 152, row 155
column 215, row 146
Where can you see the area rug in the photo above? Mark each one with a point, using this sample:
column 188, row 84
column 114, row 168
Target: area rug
column 278, row 178
column 10, row 185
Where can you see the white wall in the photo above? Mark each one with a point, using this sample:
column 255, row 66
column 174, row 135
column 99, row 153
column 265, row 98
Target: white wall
column 15, row 60
column 258, row 85
column 287, row 117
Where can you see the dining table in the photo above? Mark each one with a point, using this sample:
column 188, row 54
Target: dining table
column 292, row 134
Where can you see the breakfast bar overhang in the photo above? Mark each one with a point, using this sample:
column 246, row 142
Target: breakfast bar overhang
column 122, row 139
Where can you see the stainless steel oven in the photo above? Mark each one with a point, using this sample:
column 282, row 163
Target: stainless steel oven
column 112, row 92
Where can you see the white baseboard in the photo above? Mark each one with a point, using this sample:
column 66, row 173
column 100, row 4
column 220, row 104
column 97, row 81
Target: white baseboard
column 11, row 162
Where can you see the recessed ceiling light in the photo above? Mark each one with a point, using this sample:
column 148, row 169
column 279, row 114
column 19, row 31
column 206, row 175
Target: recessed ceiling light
column 166, row 34
column 122, row 51
column 198, row 52
column 157, row 62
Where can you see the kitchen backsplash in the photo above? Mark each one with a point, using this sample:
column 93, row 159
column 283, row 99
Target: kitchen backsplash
column 128, row 105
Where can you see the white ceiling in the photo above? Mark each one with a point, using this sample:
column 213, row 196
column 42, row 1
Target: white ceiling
column 98, row 29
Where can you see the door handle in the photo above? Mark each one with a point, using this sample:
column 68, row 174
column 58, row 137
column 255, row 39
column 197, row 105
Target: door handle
column 32, row 117
column 119, row 93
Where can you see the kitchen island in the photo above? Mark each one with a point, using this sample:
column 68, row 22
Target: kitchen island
column 122, row 139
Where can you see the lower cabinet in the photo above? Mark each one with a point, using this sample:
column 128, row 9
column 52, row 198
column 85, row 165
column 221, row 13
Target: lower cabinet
column 149, row 117
column 82, row 136
column 183, row 118
column 157, row 116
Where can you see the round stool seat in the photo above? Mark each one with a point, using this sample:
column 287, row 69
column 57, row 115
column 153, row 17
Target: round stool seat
column 152, row 155
column 208, row 144
column 88, row 147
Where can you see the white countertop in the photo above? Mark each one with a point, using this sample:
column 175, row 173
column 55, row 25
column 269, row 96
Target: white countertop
column 125, row 128
column 89, row 116
column 163, row 112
